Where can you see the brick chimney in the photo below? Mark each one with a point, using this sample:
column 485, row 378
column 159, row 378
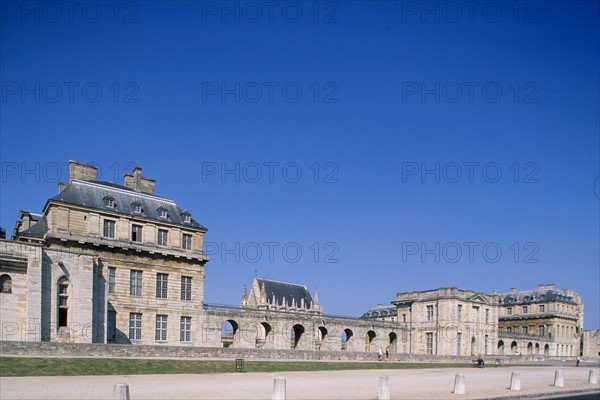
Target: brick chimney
column 82, row 171
column 139, row 183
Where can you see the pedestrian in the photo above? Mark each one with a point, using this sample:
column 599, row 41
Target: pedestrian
column 379, row 354
column 578, row 361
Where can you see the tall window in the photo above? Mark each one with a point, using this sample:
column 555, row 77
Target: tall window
column 525, row 309
column 163, row 237
column 112, row 278
column 135, row 283
column 460, row 313
column 185, row 329
column 161, row 327
column 509, row 311
column 186, row 288
column 135, row 326
column 525, row 330
column 136, row 233
column 429, row 313
column 63, row 302
column 109, row 228
column 429, row 342
column 187, row 241
column 509, row 329
column 487, row 315
column 162, row 281
column 458, row 344
column 542, row 330
column 542, row 308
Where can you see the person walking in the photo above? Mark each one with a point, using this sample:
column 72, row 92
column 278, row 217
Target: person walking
column 578, row 361
column 379, row 354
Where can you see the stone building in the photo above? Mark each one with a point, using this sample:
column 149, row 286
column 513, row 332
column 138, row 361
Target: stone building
column 590, row 345
column 448, row 321
column 105, row 263
column 268, row 294
column 545, row 320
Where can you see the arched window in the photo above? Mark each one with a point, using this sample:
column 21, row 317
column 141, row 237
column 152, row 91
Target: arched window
column 5, row 284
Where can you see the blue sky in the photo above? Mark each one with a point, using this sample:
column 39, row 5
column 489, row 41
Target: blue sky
column 364, row 148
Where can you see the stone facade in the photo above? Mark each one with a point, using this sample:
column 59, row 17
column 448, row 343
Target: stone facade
column 542, row 320
column 448, row 321
column 590, row 345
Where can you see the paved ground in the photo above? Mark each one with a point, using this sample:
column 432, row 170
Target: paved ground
column 404, row 384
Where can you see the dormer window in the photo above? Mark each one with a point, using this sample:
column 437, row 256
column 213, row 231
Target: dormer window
column 186, row 217
column 162, row 213
column 136, row 208
column 109, row 202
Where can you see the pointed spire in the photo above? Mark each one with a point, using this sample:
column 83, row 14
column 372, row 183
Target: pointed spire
column 316, row 299
column 244, row 293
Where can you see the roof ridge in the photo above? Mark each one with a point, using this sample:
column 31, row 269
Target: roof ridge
column 287, row 283
column 123, row 189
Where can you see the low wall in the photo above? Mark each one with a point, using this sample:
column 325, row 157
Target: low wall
column 53, row 349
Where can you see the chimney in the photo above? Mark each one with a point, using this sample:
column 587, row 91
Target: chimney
column 139, row 183
column 513, row 290
column 81, row 171
column 541, row 286
column 550, row 286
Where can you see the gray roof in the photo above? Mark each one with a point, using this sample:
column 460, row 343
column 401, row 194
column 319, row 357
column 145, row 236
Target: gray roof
column 534, row 296
column 288, row 290
column 380, row 312
column 92, row 194
column 38, row 229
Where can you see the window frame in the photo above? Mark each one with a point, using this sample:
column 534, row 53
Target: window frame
column 111, row 280
column 161, row 327
column 163, row 237
column 109, row 228
column 186, row 288
column 135, row 282
column 185, row 329
column 162, row 285
column 135, row 326
column 186, row 244
column 136, row 230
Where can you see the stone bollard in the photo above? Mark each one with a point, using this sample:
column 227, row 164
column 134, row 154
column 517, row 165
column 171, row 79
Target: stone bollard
column 121, row 391
column 593, row 377
column 459, row 384
column 278, row 389
column 384, row 388
column 559, row 379
column 515, row 381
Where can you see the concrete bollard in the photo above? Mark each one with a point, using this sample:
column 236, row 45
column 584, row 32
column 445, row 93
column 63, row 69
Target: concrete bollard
column 515, row 381
column 384, row 388
column 459, row 384
column 121, row 391
column 278, row 389
column 559, row 379
column 593, row 377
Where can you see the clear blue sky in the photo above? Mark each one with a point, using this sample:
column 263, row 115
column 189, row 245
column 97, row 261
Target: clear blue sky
column 368, row 94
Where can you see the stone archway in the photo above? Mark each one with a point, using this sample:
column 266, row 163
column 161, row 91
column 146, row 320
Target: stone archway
column 229, row 331
column 347, row 339
column 369, row 338
column 501, row 347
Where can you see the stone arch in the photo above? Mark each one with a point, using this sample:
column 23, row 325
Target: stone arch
column 393, row 342
column 262, row 334
column 5, row 283
column 546, row 350
column 529, row 348
column 537, row 348
column 501, row 347
column 321, row 335
column 347, row 338
column 229, row 332
column 473, row 345
column 513, row 347
column 297, row 336
column 369, row 338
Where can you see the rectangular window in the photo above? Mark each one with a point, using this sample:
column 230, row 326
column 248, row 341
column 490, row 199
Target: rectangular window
column 186, row 243
column 509, row 330
column 487, row 316
column 460, row 312
column 109, row 228
column 525, row 309
column 186, row 288
column 509, row 311
column 161, row 327
column 403, row 317
column 112, row 278
column 185, row 329
column 162, row 283
column 429, row 342
column 542, row 308
column 136, row 233
column 135, row 283
column 525, row 330
column 135, row 326
column 542, row 330
column 162, row 237
column 459, row 344
column 429, row 313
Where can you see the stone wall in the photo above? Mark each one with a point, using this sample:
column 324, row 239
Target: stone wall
column 45, row 349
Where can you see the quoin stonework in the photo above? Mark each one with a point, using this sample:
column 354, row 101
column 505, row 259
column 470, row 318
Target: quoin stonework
column 106, row 263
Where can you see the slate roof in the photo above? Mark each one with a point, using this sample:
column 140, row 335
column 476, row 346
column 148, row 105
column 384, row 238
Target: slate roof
column 380, row 312
column 535, row 296
column 288, row 290
column 39, row 229
column 92, row 194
